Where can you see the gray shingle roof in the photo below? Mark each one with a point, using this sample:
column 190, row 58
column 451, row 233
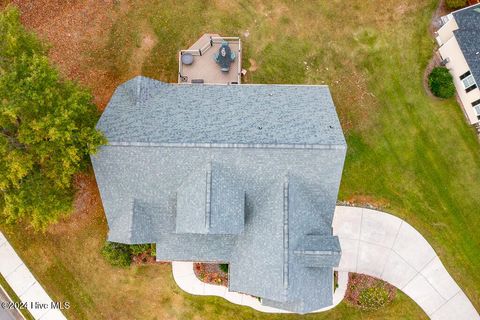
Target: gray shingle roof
column 207, row 190
column 149, row 111
column 468, row 37
column 210, row 195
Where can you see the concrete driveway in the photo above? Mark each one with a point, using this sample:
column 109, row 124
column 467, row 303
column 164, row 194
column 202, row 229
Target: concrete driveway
column 377, row 244
column 386, row 247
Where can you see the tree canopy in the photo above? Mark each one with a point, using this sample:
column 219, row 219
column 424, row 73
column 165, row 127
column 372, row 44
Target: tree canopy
column 47, row 129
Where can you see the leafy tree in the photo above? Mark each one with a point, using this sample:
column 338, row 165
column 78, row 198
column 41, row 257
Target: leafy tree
column 47, row 129
column 440, row 82
column 455, row 4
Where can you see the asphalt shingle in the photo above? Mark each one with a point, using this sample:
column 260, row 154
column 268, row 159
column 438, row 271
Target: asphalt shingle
column 468, row 37
column 239, row 174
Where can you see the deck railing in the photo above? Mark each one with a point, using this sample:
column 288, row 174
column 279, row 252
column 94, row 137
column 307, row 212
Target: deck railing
column 201, row 51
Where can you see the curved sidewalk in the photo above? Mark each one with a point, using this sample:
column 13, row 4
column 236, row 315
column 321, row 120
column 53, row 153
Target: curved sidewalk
column 25, row 285
column 378, row 244
column 187, row 280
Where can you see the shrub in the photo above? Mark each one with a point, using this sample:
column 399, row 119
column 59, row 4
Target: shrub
column 440, row 82
column 373, row 298
column 456, row 4
column 117, row 254
column 136, row 249
column 224, row 267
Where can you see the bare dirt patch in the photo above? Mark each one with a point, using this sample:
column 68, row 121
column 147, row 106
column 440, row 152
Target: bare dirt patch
column 147, row 43
column 253, row 65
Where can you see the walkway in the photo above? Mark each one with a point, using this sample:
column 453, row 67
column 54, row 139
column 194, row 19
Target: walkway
column 25, row 285
column 377, row 244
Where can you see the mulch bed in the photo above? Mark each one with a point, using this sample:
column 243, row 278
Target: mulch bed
column 357, row 283
column 144, row 258
column 211, row 273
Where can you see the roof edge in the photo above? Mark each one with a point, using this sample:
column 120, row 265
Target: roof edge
column 227, row 145
column 463, row 9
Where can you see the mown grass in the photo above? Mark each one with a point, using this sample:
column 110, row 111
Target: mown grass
column 412, row 154
column 67, row 261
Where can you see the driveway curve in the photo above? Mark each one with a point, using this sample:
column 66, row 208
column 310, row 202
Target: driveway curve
column 377, row 244
column 381, row 245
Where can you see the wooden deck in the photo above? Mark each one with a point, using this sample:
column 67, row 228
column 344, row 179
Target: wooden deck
column 204, row 66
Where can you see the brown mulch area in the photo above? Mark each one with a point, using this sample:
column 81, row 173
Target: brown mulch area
column 87, row 206
column 441, row 11
column 74, row 29
column 359, row 282
column 211, row 273
column 146, row 258
column 365, row 202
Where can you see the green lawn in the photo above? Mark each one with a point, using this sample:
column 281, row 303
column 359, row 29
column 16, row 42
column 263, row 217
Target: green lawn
column 413, row 155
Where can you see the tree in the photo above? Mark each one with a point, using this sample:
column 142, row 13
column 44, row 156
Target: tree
column 47, row 129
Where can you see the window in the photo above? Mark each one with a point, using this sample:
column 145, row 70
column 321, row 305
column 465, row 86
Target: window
column 475, row 103
column 468, row 81
column 477, row 109
column 466, row 74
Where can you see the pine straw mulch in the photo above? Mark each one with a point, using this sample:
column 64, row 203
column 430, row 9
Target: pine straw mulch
column 359, row 286
column 211, row 273
column 74, row 29
column 146, row 258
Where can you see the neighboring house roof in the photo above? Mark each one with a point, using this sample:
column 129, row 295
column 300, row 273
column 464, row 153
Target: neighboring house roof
column 468, row 37
column 244, row 174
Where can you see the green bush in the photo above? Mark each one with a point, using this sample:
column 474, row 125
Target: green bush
column 136, row 249
column 224, row 267
column 440, row 82
column 456, row 4
column 373, row 298
column 117, row 254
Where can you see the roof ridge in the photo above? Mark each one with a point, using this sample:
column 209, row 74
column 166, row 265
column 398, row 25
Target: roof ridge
column 285, row 231
column 208, row 195
column 227, row 145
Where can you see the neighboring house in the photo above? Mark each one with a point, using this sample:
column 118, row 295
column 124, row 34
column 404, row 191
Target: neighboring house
column 241, row 174
column 459, row 41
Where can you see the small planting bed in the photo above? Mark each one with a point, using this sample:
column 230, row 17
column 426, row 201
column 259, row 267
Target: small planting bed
column 368, row 293
column 212, row 273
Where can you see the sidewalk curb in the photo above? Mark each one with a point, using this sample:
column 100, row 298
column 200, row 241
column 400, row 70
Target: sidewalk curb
column 24, row 284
